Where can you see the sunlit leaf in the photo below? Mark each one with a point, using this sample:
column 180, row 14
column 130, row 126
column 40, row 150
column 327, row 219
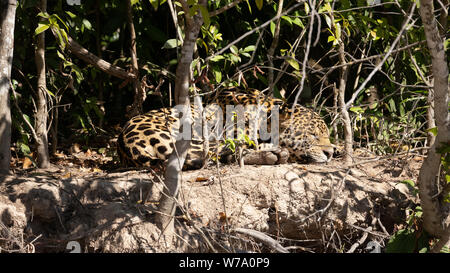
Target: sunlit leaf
column 171, row 43
column 307, row 9
column 272, row 28
column 234, row 49
column 249, row 48
column 71, row 14
column 205, row 15
column 155, row 4
column 293, row 63
column 87, row 24
column 433, row 130
column 218, row 76
column 259, row 4
column 41, row 28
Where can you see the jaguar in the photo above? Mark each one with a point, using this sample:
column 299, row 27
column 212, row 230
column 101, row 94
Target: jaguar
column 148, row 139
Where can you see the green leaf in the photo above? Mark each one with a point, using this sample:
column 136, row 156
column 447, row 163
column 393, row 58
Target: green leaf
column 61, row 40
column 357, row 110
column 409, row 182
column 338, row 31
column 218, row 76
column 331, row 38
column 392, row 107
column 43, row 15
column 25, row 149
column 259, row 4
column 205, row 15
column 433, row 130
column 171, row 43
column 154, row 4
column 326, row 8
column 64, row 24
column 287, row 19
column 272, row 28
column 72, row 16
column 403, row 241
column 234, row 49
column 293, row 63
column 60, row 55
column 298, row 22
column 87, row 24
column 27, row 118
column 217, row 58
column 41, row 28
column 307, row 9
column 50, row 93
column 249, row 48
column 249, row 6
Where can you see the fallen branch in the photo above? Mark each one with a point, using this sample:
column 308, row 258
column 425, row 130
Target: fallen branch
column 360, row 241
column 262, row 238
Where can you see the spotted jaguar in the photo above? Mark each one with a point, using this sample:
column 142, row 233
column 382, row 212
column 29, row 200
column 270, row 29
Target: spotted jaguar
column 148, row 139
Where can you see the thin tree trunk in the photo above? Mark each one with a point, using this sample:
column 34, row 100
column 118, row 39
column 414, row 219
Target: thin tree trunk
column 167, row 204
column 139, row 93
column 431, row 138
column 7, row 21
column 273, row 46
column 41, row 114
column 99, row 54
column 348, row 133
column 434, row 220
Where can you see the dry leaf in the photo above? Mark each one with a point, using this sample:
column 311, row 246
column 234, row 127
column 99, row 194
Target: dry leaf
column 96, row 170
column 75, row 148
column 201, row 179
column 26, row 163
column 59, row 155
column 66, row 175
column 222, row 217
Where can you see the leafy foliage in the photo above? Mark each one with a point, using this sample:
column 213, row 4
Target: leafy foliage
column 90, row 101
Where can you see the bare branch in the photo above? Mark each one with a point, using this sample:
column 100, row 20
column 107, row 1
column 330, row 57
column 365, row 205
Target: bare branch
column 101, row 64
column 270, row 242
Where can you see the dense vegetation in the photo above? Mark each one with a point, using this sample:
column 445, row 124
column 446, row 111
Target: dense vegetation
column 364, row 65
column 389, row 114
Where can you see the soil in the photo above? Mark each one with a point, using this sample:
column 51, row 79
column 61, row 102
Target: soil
column 304, row 207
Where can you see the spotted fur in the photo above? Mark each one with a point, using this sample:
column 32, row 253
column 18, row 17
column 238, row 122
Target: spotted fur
column 146, row 139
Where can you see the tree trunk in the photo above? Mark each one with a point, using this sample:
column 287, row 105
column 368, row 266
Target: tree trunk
column 139, row 92
column 43, row 158
column 167, row 204
column 272, row 48
column 435, row 221
column 346, row 121
column 348, row 133
column 7, row 17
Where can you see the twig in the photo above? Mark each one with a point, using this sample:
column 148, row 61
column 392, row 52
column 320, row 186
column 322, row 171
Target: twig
column 262, row 238
column 360, row 241
column 369, row 230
